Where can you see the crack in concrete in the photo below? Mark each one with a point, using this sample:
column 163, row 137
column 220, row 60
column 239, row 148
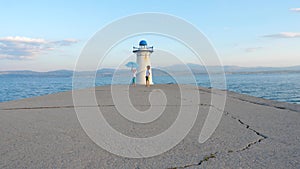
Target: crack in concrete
column 205, row 158
column 255, row 131
column 262, row 136
column 248, row 146
column 239, row 120
column 246, row 125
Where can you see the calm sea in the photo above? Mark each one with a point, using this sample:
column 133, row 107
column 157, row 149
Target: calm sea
column 284, row 87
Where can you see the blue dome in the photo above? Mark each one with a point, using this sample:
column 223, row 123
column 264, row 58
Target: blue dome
column 143, row 43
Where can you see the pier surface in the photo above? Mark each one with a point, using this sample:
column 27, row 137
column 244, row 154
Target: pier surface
column 44, row 132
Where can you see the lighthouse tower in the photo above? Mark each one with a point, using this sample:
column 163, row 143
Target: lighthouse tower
column 143, row 60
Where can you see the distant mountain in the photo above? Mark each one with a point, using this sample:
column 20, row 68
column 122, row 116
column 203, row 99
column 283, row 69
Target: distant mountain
column 59, row 73
column 237, row 69
column 32, row 73
column 105, row 72
column 19, row 72
column 196, row 68
column 178, row 69
column 260, row 69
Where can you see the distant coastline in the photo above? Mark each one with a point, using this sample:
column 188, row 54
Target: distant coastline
column 176, row 69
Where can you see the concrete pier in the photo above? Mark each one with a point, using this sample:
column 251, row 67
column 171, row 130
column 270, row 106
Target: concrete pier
column 44, row 132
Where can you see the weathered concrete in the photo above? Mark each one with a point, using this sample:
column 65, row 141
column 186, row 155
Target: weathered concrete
column 44, row 132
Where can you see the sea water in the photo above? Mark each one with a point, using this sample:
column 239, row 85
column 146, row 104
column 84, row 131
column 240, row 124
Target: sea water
column 284, row 87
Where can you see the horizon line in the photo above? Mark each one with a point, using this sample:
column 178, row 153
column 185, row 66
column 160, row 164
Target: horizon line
column 153, row 67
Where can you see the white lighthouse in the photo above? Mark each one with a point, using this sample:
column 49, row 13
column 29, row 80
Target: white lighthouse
column 143, row 60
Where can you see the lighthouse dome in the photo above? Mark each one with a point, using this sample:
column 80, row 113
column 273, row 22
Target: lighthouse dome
column 143, row 43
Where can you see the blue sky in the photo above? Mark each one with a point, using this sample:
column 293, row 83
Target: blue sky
column 49, row 35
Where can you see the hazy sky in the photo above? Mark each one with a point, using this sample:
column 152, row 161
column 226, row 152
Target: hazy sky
column 40, row 35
